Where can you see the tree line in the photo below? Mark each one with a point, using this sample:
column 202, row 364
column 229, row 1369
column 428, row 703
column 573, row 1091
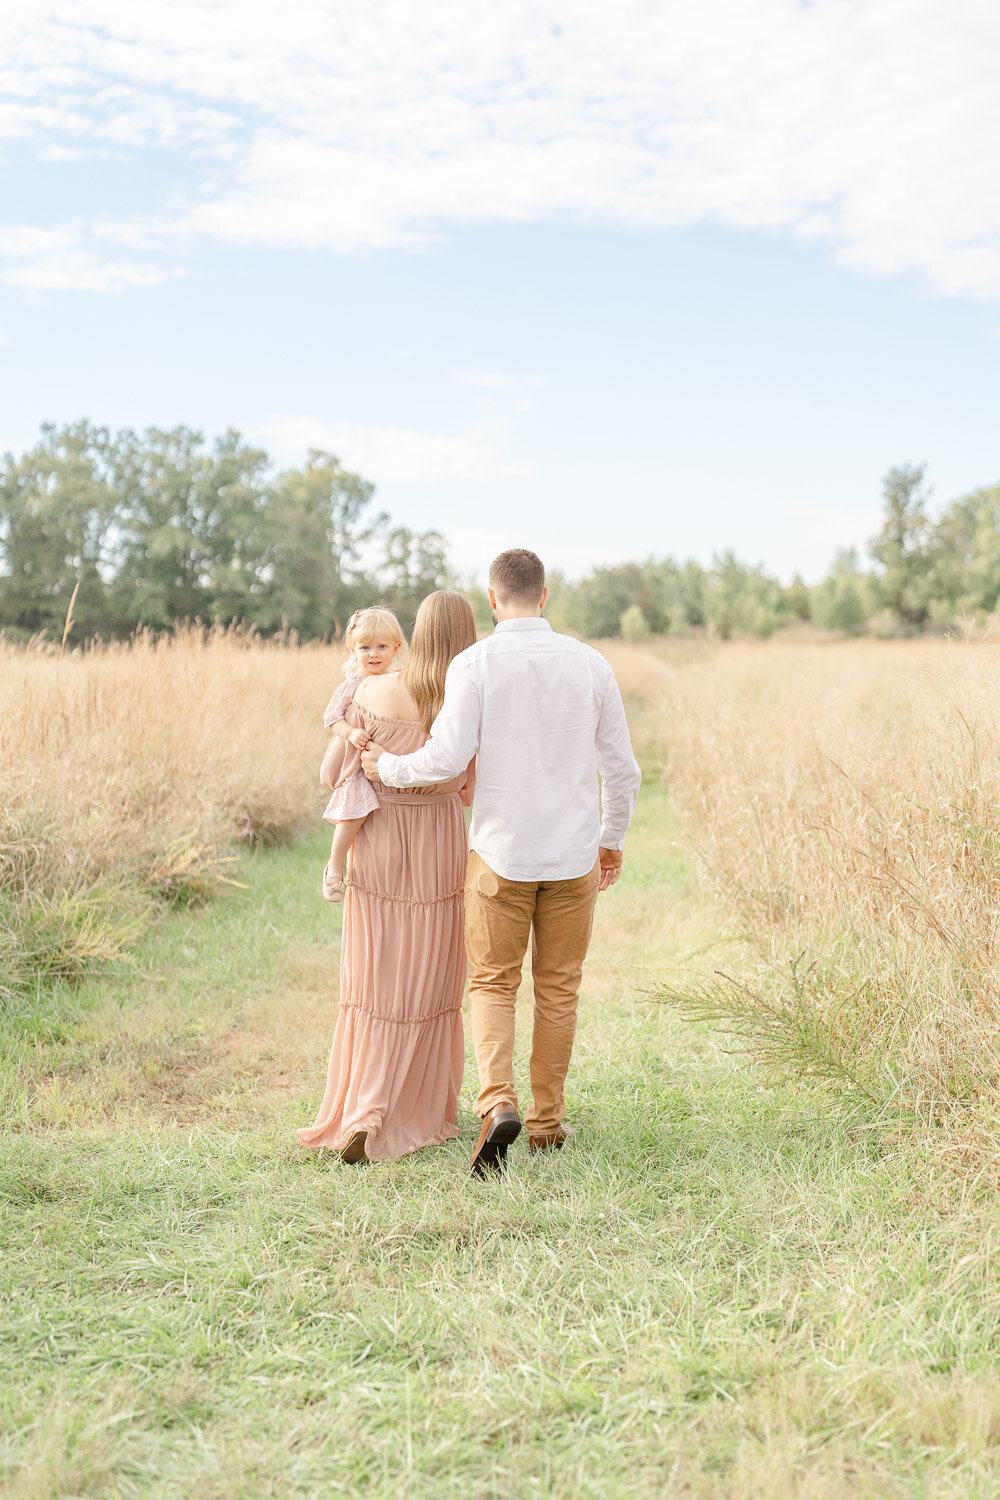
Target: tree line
column 924, row 574
column 144, row 530
column 152, row 528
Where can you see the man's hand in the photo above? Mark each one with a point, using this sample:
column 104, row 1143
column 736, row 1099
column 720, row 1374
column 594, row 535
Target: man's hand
column 611, row 867
column 369, row 760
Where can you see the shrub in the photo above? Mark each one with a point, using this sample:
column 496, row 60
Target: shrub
column 633, row 624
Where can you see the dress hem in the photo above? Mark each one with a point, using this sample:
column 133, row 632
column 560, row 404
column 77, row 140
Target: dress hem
column 450, row 1133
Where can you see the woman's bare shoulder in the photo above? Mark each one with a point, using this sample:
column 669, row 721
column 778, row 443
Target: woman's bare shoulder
column 386, row 695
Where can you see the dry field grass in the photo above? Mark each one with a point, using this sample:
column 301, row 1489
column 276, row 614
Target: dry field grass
column 842, row 797
column 844, row 800
column 126, row 773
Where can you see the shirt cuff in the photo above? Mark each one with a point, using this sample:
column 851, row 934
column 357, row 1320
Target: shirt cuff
column 612, row 841
column 386, row 768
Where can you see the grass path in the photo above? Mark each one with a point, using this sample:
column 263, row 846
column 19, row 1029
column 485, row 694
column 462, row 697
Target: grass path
column 717, row 1289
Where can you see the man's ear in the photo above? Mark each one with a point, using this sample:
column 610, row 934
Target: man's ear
column 492, row 598
column 545, row 595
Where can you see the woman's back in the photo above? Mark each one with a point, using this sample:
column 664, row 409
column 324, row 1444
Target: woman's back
column 387, row 696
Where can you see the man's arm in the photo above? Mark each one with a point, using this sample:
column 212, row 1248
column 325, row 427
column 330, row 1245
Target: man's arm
column 620, row 777
column 454, row 738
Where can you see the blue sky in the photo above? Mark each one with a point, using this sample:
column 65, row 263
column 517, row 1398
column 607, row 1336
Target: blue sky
column 610, row 282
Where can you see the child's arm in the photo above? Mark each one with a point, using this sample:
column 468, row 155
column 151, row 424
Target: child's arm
column 355, row 734
column 332, row 767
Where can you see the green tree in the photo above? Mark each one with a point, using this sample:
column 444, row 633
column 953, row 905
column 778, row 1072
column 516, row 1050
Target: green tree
column 57, row 519
column 843, row 601
column 633, row 624
column 153, row 528
column 721, row 619
column 232, row 522
column 318, row 529
column 798, row 599
column 413, row 565
column 740, row 597
column 163, row 560
column 966, row 573
column 678, row 622
column 905, row 547
column 560, row 607
column 600, row 600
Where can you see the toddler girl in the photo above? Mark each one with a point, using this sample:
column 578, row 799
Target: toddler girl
column 374, row 641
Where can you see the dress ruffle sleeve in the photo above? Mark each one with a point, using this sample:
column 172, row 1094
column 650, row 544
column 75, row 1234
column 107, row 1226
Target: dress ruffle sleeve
column 341, row 700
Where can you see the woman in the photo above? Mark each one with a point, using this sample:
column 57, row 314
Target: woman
column 398, row 1048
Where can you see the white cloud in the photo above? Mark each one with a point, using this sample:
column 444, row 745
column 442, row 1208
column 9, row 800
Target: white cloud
column 79, row 272
column 78, row 257
column 388, row 455
column 869, row 124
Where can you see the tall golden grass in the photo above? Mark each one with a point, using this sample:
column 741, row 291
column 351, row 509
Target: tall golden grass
column 845, row 801
column 126, row 772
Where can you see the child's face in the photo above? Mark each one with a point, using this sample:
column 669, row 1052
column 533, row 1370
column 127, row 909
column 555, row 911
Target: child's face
column 375, row 657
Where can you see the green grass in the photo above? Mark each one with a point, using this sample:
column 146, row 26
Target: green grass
column 721, row 1287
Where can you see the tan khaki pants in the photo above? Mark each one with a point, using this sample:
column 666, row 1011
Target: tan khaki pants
column 500, row 915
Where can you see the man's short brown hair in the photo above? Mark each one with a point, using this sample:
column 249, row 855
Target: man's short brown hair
column 517, row 577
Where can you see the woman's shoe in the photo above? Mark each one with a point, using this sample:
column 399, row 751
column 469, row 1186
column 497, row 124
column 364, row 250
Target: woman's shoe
column 354, row 1151
column 333, row 885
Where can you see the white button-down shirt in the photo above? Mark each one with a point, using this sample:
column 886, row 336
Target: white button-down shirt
column 543, row 715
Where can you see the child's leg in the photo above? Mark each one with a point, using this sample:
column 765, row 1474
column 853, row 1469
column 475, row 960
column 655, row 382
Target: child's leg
column 344, row 835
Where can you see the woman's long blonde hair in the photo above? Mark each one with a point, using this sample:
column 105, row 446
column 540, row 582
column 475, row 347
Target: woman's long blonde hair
column 445, row 625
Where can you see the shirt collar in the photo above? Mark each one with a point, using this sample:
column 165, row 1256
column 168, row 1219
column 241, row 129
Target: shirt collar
column 526, row 624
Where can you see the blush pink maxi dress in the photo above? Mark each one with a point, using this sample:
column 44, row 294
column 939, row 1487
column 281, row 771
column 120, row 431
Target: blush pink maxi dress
column 398, row 1048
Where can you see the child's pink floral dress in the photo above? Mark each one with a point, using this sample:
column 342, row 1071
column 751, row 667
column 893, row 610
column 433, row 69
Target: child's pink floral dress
column 353, row 794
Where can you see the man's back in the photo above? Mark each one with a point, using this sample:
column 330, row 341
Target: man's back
column 543, row 714
column 550, row 716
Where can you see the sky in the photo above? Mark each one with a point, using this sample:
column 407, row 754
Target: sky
column 611, row 281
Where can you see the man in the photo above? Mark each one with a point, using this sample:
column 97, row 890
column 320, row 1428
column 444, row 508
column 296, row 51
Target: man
column 543, row 714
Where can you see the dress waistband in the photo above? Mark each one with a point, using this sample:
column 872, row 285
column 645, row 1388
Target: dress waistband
column 427, row 797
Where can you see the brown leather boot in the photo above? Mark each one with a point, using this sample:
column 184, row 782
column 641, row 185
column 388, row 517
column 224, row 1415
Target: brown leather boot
column 548, row 1140
column 501, row 1125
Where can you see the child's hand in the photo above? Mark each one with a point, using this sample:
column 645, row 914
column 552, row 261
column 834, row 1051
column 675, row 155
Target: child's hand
column 359, row 737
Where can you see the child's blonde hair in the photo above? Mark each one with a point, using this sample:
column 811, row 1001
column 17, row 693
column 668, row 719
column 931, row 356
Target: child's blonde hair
column 365, row 626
